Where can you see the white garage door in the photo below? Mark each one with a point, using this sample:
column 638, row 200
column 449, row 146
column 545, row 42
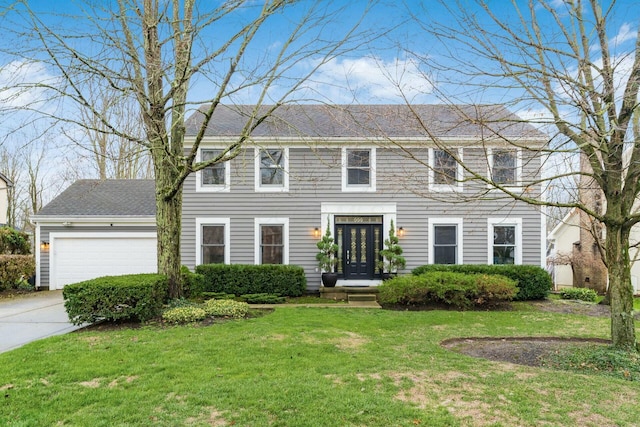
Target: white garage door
column 78, row 257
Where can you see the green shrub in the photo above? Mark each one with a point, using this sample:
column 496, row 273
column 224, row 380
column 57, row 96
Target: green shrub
column 240, row 279
column 14, row 242
column 263, row 298
column 533, row 281
column 131, row 297
column 185, row 314
column 14, row 269
column 217, row 295
column 441, row 287
column 582, row 294
column 226, row 308
column 192, row 283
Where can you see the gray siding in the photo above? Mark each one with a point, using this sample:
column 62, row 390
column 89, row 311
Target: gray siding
column 315, row 178
column 45, row 232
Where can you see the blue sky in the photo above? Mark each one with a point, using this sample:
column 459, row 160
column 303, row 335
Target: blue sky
column 403, row 59
column 371, row 74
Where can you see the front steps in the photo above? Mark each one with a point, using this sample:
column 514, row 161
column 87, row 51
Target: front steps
column 362, row 296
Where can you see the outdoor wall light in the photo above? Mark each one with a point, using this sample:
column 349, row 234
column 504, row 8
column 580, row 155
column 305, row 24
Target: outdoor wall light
column 44, row 245
column 316, row 232
column 400, row 231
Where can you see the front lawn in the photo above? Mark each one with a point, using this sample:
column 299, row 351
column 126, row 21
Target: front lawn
column 309, row 367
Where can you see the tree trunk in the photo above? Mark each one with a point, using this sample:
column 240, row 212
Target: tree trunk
column 623, row 332
column 168, row 221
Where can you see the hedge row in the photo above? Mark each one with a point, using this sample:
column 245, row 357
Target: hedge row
column 533, row 282
column 132, row 297
column 458, row 290
column 15, row 269
column 240, row 279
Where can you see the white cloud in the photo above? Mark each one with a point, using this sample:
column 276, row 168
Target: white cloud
column 625, row 34
column 20, row 84
column 370, row 80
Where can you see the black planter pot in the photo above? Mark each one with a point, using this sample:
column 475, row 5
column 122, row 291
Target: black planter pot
column 387, row 276
column 329, row 280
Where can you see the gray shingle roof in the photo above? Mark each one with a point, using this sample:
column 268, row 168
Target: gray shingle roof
column 366, row 121
column 108, row 198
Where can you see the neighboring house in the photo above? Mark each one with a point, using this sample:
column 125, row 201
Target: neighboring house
column 574, row 256
column 5, row 185
column 313, row 165
column 96, row 228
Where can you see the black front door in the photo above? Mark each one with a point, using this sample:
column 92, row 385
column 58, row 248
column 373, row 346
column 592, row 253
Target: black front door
column 359, row 250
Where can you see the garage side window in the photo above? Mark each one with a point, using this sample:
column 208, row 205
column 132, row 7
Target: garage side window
column 213, row 244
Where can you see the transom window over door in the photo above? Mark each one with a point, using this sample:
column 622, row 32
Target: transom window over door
column 213, row 244
column 445, row 244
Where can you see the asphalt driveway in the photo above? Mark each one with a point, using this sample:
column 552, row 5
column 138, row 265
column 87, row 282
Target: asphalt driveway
column 32, row 317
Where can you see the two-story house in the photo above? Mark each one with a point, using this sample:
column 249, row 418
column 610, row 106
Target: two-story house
column 352, row 168
column 357, row 169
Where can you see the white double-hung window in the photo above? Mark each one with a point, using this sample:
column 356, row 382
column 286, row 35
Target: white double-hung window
column 359, row 169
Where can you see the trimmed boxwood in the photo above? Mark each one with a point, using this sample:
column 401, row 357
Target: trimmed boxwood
column 457, row 290
column 130, row 297
column 533, row 281
column 240, row 279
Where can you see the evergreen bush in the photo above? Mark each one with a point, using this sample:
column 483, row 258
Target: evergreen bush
column 534, row 283
column 136, row 297
column 240, row 279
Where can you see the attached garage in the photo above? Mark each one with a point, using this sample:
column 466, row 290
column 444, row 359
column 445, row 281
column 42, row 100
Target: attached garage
column 75, row 257
column 96, row 228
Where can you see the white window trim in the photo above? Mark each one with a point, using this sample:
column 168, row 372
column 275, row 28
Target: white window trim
column 200, row 188
column 457, row 187
column 371, row 188
column 227, row 237
column 259, row 188
column 256, row 233
column 459, row 236
column 518, row 183
column 517, row 222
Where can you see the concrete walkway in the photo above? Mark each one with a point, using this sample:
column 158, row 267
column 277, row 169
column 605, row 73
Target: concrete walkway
column 32, row 317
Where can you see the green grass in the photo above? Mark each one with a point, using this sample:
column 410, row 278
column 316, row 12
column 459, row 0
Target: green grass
column 309, row 367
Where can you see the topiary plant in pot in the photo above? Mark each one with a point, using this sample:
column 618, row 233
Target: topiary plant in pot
column 327, row 259
column 392, row 259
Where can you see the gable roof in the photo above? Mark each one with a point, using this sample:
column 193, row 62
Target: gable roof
column 366, row 121
column 103, row 199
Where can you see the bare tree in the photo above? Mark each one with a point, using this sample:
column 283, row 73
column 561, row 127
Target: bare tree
column 10, row 166
column 572, row 67
column 157, row 51
column 112, row 156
